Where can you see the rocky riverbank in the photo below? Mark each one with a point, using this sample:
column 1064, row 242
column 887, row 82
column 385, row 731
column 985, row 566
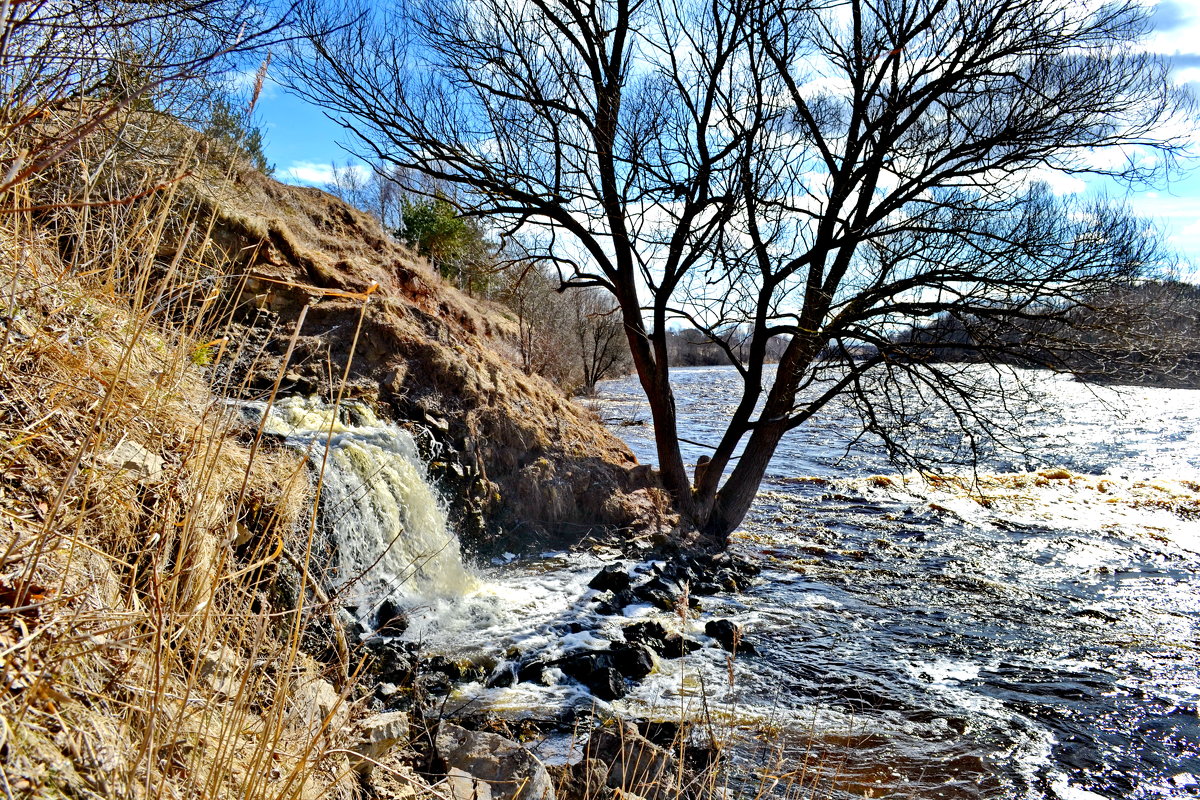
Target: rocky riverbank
column 480, row 755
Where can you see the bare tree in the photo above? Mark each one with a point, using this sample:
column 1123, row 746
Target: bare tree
column 600, row 336
column 378, row 190
column 543, row 320
column 822, row 171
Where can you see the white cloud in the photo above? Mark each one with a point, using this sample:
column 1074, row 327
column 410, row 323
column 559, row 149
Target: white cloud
column 314, row 174
column 1060, row 183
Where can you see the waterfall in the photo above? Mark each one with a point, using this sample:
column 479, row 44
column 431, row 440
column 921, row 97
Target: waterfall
column 388, row 524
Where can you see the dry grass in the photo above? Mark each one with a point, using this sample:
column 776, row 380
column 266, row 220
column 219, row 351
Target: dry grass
column 143, row 650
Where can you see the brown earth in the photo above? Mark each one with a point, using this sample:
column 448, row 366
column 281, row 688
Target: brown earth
column 521, row 465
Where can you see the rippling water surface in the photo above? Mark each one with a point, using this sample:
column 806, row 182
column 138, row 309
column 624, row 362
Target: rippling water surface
column 1022, row 635
column 1028, row 630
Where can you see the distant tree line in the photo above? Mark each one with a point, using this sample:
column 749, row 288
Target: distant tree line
column 695, row 347
column 1145, row 333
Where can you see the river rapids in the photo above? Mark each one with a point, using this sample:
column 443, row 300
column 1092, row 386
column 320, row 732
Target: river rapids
column 1026, row 628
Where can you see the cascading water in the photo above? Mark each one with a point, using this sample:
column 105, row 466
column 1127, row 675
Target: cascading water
column 388, row 523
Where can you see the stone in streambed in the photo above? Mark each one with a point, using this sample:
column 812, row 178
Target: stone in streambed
column 391, row 661
column 531, row 670
column 634, row 661
column 614, row 605
column 655, row 636
column 390, row 619
column 613, row 578
column 461, row 669
column 635, row 764
column 728, row 634
column 595, row 669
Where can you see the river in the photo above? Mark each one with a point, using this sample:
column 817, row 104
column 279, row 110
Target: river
column 1022, row 636
column 1025, row 629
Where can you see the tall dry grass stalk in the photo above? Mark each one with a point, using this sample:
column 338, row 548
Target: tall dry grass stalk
column 149, row 638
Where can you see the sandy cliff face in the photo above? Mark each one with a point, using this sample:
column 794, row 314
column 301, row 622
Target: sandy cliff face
column 521, row 464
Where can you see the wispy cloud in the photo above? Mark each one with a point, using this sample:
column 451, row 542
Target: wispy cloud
column 308, row 172
column 314, row 174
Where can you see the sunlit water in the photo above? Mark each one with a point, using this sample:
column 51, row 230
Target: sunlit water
column 1024, row 635
column 1016, row 636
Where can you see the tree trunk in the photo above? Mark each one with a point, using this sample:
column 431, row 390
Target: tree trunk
column 728, row 508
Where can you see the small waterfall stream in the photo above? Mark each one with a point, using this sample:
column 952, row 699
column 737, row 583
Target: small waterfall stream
column 392, row 536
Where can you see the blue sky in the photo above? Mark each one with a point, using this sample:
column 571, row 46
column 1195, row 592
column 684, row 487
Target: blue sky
column 303, row 143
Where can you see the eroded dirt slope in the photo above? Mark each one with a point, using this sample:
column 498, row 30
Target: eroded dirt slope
column 521, row 464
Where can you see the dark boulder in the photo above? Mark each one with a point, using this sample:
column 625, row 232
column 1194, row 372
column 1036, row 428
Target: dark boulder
column 457, row 669
column 729, row 635
column 390, row 619
column 634, row 661
column 676, row 646
column 655, row 636
column 606, row 683
column 597, row 670
column 660, row 592
column 645, row 632
column 613, row 578
column 504, row 676
column 391, row 661
column 532, row 671
column 614, row 605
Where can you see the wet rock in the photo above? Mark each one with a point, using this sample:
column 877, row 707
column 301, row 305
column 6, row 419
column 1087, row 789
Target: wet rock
column 655, row 636
column 597, row 670
column 684, row 575
column 635, row 764
column 377, row 735
column 676, row 646
column 391, row 661
column 729, row 635
column 504, row 676
column 436, row 684
column 614, row 605
column 645, row 632
column 510, row 771
column 634, row 661
column 710, row 574
column 531, row 670
column 613, row 578
column 606, row 683
column 457, row 669
column 660, row 592
column 390, row 619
